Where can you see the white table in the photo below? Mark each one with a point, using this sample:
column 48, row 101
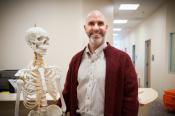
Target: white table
column 147, row 95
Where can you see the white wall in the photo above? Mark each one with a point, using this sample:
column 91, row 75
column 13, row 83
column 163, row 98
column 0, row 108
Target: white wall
column 63, row 19
column 154, row 28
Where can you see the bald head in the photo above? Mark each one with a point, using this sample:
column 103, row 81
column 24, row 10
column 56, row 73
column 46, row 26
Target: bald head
column 95, row 13
column 95, row 28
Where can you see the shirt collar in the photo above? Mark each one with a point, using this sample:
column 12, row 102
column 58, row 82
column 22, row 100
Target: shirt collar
column 97, row 51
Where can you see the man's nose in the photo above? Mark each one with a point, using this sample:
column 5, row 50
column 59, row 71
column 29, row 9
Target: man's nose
column 96, row 27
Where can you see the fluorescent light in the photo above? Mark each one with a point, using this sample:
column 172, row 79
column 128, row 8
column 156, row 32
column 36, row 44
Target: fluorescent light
column 117, row 29
column 128, row 6
column 120, row 21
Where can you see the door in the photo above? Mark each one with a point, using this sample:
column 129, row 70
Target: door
column 147, row 75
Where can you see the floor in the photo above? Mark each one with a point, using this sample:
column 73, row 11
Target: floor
column 155, row 108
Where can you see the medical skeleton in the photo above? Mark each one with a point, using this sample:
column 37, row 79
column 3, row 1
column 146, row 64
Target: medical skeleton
column 38, row 80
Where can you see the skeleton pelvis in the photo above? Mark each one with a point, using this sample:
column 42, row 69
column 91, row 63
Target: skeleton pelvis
column 52, row 110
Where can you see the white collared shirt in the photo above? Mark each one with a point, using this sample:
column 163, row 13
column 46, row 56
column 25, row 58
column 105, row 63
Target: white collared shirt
column 91, row 83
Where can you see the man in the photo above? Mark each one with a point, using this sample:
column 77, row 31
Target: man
column 101, row 80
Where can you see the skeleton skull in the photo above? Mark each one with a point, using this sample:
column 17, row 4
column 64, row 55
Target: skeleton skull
column 37, row 38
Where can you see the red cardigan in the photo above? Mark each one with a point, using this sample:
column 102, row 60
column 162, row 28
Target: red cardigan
column 121, row 88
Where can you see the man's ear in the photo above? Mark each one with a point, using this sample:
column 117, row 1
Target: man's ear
column 84, row 27
column 106, row 26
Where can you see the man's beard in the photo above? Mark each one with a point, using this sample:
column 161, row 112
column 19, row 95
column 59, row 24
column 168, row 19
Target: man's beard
column 96, row 41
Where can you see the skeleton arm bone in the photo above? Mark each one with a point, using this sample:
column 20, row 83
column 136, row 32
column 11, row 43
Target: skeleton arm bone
column 20, row 84
column 58, row 85
column 57, row 79
column 61, row 96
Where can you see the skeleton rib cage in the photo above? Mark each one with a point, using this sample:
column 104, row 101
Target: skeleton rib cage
column 34, row 88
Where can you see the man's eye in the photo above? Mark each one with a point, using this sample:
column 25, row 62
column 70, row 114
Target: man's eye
column 100, row 23
column 91, row 23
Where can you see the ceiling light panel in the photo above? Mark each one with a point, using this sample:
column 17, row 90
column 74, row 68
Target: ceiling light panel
column 120, row 21
column 129, row 6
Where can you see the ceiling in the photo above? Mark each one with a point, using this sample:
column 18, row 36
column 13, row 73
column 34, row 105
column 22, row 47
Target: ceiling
column 146, row 8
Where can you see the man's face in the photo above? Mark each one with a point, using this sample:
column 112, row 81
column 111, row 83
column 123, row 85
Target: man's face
column 95, row 28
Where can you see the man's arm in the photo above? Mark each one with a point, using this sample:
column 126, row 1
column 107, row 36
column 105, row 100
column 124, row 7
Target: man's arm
column 130, row 97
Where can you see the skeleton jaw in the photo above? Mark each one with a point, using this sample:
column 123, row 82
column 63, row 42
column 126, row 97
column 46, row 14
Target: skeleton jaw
column 41, row 52
column 40, row 49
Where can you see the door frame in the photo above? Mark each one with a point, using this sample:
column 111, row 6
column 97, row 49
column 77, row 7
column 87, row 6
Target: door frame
column 147, row 64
